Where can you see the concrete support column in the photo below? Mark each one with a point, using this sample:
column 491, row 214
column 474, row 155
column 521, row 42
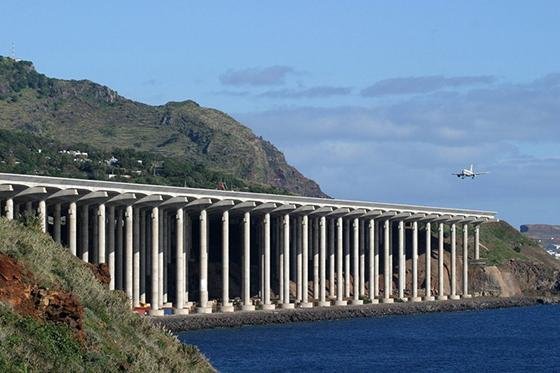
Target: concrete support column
column 315, row 259
column 286, row 249
column 428, row 280
column 323, row 262
column 376, row 262
column 466, row 261
column 129, row 237
column 29, row 208
column 164, row 234
column 415, row 297
column 154, row 302
column 332, row 261
column 226, row 304
column 305, row 259
column 280, row 262
column 9, row 209
column 371, row 259
column 299, row 263
column 356, row 262
column 119, row 253
column 85, row 233
column 179, row 308
column 267, row 305
column 477, row 242
column 186, row 254
column 111, row 246
column 440, row 296
column 362, row 251
column 339, row 258
column 387, row 266
column 136, row 259
column 101, row 232
column 402, row 263
column 246, row 283
column 453, row 262
column 203, row 283
column 347, row 259
column 42, row 209
column 143, row 238
column 72, row 227
column 57, row 223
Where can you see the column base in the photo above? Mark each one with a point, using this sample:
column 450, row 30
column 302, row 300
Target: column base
column 247, row 307
column 387, row 300
column 356, row 302
column 441, row 297
column 415, row 299
column 341, row 303
column 227, row 308
column 306, row 305
column 454, row 297
column 466, row 296
column 180, row 311
column 374, row 301
column 188, row 304
column 402, row 299
column 268, row 307
column 167, row 305
column 429, row 298
column 324, row 304
column 204, row 310
column 288, row 306
column 158, row 312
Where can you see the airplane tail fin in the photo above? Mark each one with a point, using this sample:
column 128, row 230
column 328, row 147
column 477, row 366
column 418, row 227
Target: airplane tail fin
column 472, row 168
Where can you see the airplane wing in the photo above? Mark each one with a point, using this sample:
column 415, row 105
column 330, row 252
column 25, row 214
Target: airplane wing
column 482, row 173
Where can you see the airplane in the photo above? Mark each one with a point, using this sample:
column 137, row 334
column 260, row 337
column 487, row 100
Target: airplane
column 470, row 172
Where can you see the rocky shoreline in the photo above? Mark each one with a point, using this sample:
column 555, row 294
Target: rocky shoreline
column 181, row 323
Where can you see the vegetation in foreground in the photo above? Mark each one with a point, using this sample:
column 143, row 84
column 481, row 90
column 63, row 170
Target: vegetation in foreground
column 107, row 336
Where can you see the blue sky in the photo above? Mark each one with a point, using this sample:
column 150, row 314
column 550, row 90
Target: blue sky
column 374, row 100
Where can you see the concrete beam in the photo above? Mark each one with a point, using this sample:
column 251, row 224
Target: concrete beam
column 402, row 215
column 264, row 208
column 372, row 214
column 199, row 204
column 321, row 211
column 32, row 193
column 243, row 207
column 355, row 213
column 304, row 210
column 93, row 197
column 66, row 195
column 341, row 211
column 283, row 209
column 122, row 199
column 414, row 217
column 428, row 218
column 387, row 215
column 149, row 200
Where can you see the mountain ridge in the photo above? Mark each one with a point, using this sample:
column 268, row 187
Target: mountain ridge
column 76, row 111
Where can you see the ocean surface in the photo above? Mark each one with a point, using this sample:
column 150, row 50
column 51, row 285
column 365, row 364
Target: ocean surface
column 505, row 340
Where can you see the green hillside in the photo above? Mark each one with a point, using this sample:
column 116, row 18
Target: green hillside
column 56, row 316
column 76, row 112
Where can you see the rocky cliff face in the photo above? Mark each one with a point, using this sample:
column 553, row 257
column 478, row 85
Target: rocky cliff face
column 75, row 112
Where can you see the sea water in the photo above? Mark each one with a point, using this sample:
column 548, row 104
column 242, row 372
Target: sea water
column 523, row 339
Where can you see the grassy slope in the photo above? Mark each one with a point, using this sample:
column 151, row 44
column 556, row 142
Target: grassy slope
column 116, row 338
column 505, row 242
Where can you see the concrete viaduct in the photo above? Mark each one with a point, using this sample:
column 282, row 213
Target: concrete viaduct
column 155, row 239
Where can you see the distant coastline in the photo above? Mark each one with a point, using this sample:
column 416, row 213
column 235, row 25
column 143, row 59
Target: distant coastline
column 181, row 323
